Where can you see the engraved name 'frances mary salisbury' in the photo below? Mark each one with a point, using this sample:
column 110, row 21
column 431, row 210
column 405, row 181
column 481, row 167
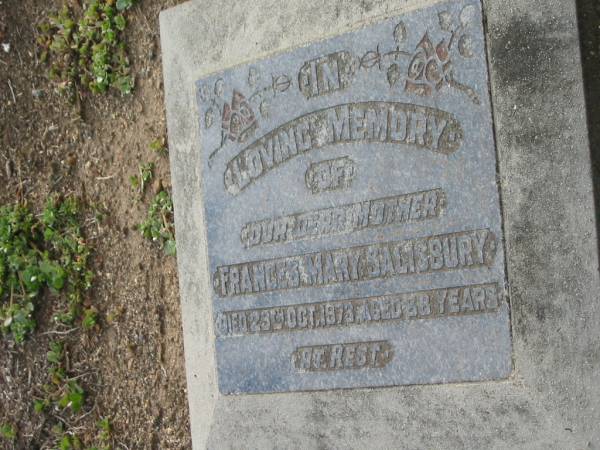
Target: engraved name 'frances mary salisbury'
column 467, row 249
column 384, row 122
column 432, row 304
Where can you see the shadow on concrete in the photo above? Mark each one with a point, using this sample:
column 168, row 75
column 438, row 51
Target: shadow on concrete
column 588, row 16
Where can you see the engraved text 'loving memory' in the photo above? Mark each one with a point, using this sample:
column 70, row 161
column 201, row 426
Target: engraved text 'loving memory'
column 383, row 122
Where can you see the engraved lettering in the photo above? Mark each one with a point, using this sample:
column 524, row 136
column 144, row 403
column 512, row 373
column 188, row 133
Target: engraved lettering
column 326, row 74
column 317, row 269
column 386, row 122
column 346, row 356
column 431, row 304
column 329, row 175
column 349, row 218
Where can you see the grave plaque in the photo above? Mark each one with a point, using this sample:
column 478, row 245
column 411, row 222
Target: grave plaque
column 353, row 221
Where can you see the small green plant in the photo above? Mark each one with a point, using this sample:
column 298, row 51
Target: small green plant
column 55, row 355
column 105, row 429
column 69, row 442
column 88, row 54
column 40, row 406
column 39, row 253
column 125, row 4
column 56, row 371
column 66, row 440
column 63, row 238
column 73, row 397
column 90, row 318
column 158, row 225
column 159, row 147
column 20, row 282
column 8, row 432
column 140, row 181
column 62, row 392
column 104, row 432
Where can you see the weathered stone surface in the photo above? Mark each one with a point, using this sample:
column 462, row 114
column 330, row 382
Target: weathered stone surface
column 350, row 187
column 551, row 399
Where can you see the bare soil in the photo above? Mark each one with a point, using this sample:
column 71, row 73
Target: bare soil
column 131, row 365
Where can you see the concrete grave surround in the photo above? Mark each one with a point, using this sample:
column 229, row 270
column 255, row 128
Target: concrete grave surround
column 551, row 397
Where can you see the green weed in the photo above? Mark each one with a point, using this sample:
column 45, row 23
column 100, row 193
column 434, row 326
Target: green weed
column 55, row 355
column 66, row 440
column 39, row 253
column 159, row 147
column 69, row 441
column 40, row 406
column 62, row 392
column 158, row 225
column 140, row 181
column 8, row 432
column 125, row 4
column 90, row 318
column 88, row 54
column 104, row 433
column 73, row 397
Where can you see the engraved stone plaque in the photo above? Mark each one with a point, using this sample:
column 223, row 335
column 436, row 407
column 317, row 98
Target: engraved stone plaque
column 352, row 211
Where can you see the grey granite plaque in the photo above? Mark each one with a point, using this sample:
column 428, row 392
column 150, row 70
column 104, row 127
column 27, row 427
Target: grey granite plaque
column 352, row 211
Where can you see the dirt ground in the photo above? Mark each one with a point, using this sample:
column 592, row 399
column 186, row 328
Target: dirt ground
column 132, row 365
